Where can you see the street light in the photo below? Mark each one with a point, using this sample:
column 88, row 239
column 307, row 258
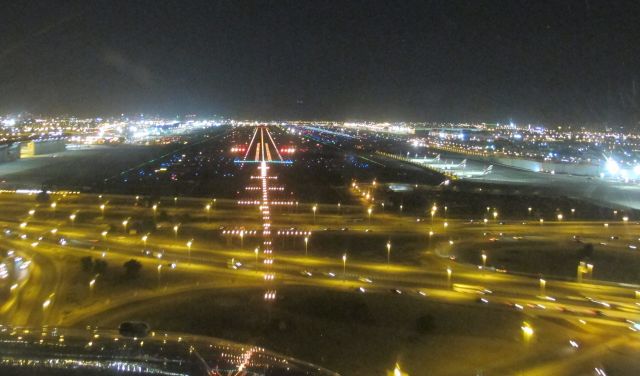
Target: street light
column 155, row 210
column 527, row 330
column 369, row 210
column 484, row 260
column 208, row 209
column 256, row 251
column 560, row 216
column 124, row 224
column 529, row 209
column 495, row 215
column 306, row 243
column 104, row 234
column 314, row 208
column 175, row 230
column 102, row 207
column 388, row 252
column 144, row 240
column 32, row 212
column 159, row 274
column 400, row 207
column 91, row 285
column 449, row 272
column 189, row 243
column 344, row 267
column 72, row 217
column 543, row 285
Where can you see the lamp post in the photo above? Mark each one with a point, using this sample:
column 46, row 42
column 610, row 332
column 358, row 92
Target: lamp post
column 388, row 252
column 102, row 207
column 175, row 231
column 369, row 210
column 543, row 286
column 208, row 209
column 256, row 251
column 159, row 274
column 124, row 225
column 144, row 240
column 314, row 208
column 91, row 285
column 241, row 239
column 344, row 267
column 155, row 210
column 484, row 260
column 449, row 272
column 72, row 217
column 189, row 244
column 306, row 243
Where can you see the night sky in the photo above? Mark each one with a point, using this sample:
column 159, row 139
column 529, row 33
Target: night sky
column 553, row 62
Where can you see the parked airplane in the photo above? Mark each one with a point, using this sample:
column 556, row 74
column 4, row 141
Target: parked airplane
column 425, row 160
column 472, row 173
column 449, row 166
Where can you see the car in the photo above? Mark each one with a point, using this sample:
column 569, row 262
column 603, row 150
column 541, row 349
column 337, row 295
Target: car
column 396, row 291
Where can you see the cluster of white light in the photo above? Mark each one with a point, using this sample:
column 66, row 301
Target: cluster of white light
column 237, row 149
column 270, row 295
column 288, row 150
column 284, row 203
column 239, row 232
column 294, row 232
column 248, row 202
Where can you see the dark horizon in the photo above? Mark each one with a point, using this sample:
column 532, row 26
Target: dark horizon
column 543, row 63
